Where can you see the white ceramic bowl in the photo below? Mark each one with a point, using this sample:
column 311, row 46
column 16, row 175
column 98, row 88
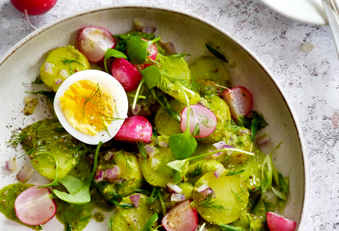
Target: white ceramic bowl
column 189, row 33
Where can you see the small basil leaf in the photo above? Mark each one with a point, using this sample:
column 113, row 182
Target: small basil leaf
column 151, row 75
column 216, row 53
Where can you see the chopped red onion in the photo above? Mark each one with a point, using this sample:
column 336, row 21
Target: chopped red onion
column 99, row 176
column 173, row 188
column 219, row 171
column 49, row 67
column 64, row 73
column 149, row 149
column 58, row 81
column 163, row 144
column 244, row 131
column 178, row 197
column 135, row 199
column 136, row 110
column 149, row 29
column 202, row 187
column 11, row 165
column 111, row 174
column 221, row 145
column 108, row 156
column 264, row 139
column 25, row 173
column 170, row 48
column 207, row 192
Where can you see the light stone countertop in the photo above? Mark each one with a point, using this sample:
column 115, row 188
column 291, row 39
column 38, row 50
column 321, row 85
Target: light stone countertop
column 310, row 81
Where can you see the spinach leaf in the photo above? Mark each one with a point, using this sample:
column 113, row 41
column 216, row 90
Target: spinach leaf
column 113, row 53
column 137, row 49
column 79, row 192
column 216, row 53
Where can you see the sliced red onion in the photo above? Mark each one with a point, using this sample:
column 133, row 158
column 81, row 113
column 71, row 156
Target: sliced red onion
column 149, row 149
column 221, row 145
column 163, row 144
column 111, row 174
column 178, row 197
column 219, row 171
column 264, row 139
column 99, row 176
column 136, row 110
column 58, row 81
column 11, row 165
column 25, row 173
column 149, row 29
column 170, row 48
column 109, row 156
column 49, row 67
column 135, row 199
column 173, row 188
column 64, row 73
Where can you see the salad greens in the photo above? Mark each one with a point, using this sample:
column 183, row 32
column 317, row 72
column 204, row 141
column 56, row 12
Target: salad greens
column 224, row 175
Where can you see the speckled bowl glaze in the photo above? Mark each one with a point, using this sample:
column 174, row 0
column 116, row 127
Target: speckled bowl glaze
column 189, row 33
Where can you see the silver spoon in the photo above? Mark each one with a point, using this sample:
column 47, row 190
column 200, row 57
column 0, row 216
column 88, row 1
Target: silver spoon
column 331, row 8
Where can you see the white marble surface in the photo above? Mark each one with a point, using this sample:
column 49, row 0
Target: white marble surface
column 311, row 81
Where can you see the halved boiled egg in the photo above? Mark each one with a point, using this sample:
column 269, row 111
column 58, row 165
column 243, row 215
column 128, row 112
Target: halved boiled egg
column 91, row 105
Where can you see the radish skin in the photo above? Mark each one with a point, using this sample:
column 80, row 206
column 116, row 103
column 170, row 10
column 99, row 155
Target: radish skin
column 127, row 75
column 34, row 206
column 33, row 7
column 240, row 101
column 93, row 42
column 181, row 218
column 276, row 222
column 135, row 128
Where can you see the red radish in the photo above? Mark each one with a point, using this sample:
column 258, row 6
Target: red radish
column 93, row 41
column 127, row 75
column 33, row 7
column 35, row 206
column 135, row 128
column 199, row 115
column 276, row 222
column 181, row 218
column 240, row 101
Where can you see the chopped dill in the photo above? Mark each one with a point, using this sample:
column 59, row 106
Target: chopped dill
column 197, row 170
column 16, row 139
column 37, row 80
column 237, row 195
column 142, row 149
column 121, row 155
column 236, row 172
column 70, row 61
column 209, row 204
column 206, row 121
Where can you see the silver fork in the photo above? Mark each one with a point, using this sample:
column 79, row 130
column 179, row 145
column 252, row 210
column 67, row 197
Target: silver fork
column 331, row 8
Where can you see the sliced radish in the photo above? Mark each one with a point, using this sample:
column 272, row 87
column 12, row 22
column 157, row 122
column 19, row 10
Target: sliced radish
column 240, row 101
column 199, row 115
column 127, row 75
column 276, row 222
column 181, row 218
column 135, row 128
column 93, row 42
column 34, row 206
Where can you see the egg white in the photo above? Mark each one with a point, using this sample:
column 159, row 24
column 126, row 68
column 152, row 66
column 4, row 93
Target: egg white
column 118, row 94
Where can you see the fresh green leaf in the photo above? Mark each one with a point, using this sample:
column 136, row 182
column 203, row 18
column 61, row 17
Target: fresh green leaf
column 154, row 195
column 113, row 53
column 79, row 192
column 236, row 172
column 216, row 53
column 182, row 145
column 151, row 75
column 177, row 164
column 136, row 33
column 255, row 121
column 150, row 222
column 137, row 49
column 55, row 181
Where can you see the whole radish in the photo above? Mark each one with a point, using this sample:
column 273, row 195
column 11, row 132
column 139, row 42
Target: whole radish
column 127, row 75
column 33, row 7
column 276, row 222
column 135, row 128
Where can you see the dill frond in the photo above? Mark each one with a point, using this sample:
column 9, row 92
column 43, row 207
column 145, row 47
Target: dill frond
column 16, row 139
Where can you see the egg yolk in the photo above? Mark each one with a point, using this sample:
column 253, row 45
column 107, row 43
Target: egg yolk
column 88, row 106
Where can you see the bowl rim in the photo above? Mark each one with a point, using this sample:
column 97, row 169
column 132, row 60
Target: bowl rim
column 199, row 18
